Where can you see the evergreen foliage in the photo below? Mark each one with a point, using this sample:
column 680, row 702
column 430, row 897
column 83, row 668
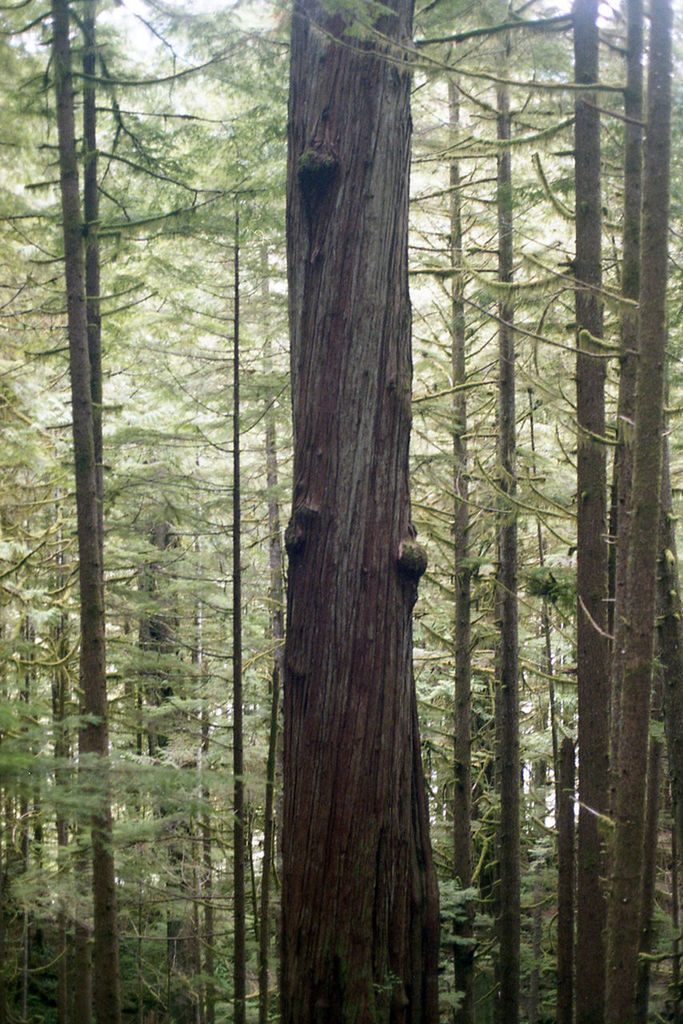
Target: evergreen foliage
column 192, row 124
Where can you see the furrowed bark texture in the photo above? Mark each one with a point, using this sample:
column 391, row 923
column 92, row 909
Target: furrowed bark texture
column 93, row 736
column 592, row 650
column 625, row 881
column 359, row 915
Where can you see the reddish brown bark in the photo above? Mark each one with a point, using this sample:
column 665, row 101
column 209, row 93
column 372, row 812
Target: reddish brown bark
column 359, row 915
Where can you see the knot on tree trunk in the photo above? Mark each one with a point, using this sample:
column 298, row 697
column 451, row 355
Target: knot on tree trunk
column 412, row 560
column 316, row 169
column 298, row 527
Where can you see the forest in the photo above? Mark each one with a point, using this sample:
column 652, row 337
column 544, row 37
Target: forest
column 341, row 667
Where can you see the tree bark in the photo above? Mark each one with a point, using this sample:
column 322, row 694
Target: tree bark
column 463, row 950
column 670, row 647
column 566, row 873
column 62, row 746
column 93, row 734
column 209, row 964
column 277, row 632
column 647, row 903
column 592, row 649
column 240, row 949
column 507, row 687
column 359, row 915
column 91, row 218
column 625, row 881
column 630, row 288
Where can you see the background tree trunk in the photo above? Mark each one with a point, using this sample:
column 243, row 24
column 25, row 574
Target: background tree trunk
column 463, row 950
column 630, row 289
column 592, row 649
column 625, row 880
column 670, row 648
column 240, row 950
column 566, row 873
column 93, row 735
column 507, row 685
column 360, row 919
column 647, row 904
column 277, row 631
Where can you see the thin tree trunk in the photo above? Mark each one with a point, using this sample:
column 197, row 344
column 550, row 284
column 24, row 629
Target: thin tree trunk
column 277, row 632
column 592, row 647
column 566, row 873
column 626, row 874
column 359, row 900
column 676, row 926
column 536, row 939
column 3, row 926
column 207, row 889
column 546, row 628
column 239, row 953
column 28, row 636
column 647, row 904
column 630, row 287
column 463, row 950
column 670, row 649
column 507, row 687
column 60, row 685
column 93, row 736
column 91, row 217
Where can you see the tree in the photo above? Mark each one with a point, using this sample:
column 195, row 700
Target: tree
column 507, row 672
column 627, row 859
column 93, row 733
column 592, row 651
column 463, row 950
column 630, row 285
column 359, row 902
column 239, row 953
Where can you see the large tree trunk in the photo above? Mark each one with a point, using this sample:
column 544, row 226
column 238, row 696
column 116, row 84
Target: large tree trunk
column 625, row 881
column 360, row 919
column 592, row 649
column 93, row 735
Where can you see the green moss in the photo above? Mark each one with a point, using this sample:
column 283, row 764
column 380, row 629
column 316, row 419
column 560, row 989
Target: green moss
column 412, row 559
column 315, row 170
